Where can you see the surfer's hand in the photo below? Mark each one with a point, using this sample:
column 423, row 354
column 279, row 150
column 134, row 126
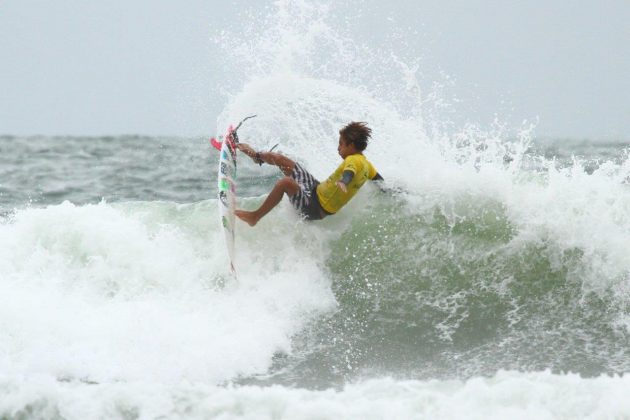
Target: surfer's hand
column 246, row 148
column 342, row 186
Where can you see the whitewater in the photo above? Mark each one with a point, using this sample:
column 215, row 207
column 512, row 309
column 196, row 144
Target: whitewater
column 491, row 283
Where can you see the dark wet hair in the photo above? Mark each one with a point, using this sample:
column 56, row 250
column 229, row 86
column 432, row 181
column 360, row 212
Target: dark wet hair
column 357, row 133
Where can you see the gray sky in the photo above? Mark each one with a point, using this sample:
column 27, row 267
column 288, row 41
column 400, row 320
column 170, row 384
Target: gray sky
column 147, row 66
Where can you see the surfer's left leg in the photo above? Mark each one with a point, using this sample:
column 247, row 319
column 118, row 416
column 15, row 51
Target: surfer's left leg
column 285, row 185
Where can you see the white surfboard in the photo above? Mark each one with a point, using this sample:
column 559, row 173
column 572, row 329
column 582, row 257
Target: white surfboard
column 227, row 187
column 227, row 190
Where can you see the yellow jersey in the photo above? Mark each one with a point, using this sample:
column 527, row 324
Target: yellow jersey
column 330, row 196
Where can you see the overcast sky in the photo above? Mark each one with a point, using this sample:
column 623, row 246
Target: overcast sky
column 146, row 66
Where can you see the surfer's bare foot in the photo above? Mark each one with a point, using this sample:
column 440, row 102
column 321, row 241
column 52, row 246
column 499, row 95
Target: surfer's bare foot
column 247, row 216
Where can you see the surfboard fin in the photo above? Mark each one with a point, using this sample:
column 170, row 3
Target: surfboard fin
column 233, row 131
column 216, row 143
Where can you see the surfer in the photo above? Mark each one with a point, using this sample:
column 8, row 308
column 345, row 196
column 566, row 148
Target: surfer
column 312, row 199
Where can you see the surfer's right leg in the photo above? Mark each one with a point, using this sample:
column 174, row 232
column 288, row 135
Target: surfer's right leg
column 285, row 164
column 285, row 185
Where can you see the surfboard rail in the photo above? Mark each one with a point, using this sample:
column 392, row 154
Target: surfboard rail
column 226, row 182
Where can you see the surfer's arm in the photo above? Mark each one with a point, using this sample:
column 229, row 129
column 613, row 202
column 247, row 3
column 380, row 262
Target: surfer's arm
column 346, row 178
column 379, row 183
column 246, row 148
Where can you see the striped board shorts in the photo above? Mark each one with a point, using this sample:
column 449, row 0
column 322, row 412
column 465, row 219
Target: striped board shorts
column 305, row 200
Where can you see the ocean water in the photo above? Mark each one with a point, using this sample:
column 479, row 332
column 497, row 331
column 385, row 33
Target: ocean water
column 493, row 283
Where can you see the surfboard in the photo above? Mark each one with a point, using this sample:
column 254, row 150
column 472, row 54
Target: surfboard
column 227, row 189
column 226, row 182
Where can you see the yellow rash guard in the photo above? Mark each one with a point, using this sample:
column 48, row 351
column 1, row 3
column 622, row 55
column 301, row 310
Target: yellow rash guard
column 330, row 196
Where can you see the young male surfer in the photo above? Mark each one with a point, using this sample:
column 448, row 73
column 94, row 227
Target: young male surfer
column 312, row 199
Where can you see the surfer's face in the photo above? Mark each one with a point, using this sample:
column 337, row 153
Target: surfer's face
column 345, row 149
